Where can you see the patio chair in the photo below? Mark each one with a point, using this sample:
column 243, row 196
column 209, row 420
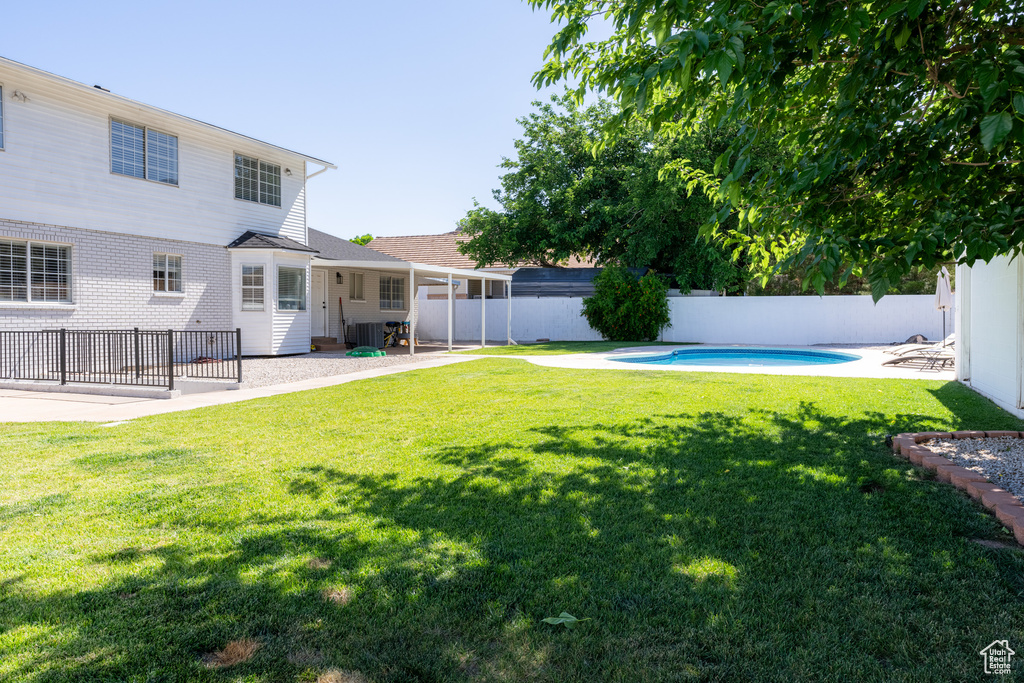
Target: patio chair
column 930, row 358
column 903, row 349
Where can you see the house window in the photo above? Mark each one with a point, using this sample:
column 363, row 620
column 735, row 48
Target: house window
column 252, row 288
column 166, row 273
column 141, row 152
column 392, row 293
column 36, row 272
column 355, row 287
column 291, row 289
column 257, row 181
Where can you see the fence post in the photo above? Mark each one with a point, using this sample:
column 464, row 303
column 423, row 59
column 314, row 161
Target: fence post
column 170, row 360
column 138, row 361
column 238, row 351
column 63, row 356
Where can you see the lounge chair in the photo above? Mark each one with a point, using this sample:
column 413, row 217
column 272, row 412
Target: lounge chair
column 930, row 358
column 903, row 349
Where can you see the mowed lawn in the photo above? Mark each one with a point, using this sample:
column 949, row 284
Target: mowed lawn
column 419, row 527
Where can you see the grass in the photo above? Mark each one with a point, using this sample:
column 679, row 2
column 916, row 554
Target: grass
column 561, row 348
column 418, row 527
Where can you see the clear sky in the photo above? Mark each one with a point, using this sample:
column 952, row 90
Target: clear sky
column 414, row 101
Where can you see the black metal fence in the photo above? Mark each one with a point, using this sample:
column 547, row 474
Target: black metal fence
column 133, row 357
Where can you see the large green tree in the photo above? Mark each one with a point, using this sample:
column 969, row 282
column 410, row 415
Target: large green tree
column 905, row 119
column 560, row 199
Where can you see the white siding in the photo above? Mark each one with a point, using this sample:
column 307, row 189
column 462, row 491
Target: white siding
column 995, row 330
column 290, row 328
column 256, row 326
column 56, row 170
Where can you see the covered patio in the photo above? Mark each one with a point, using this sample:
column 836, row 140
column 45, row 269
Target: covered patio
column 388, row 274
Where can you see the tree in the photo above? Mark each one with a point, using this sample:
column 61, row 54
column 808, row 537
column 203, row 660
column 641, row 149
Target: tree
column 905, row 118
column 559, row 199
column 362, row 240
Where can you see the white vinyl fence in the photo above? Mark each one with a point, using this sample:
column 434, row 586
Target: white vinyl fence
column 797, row 320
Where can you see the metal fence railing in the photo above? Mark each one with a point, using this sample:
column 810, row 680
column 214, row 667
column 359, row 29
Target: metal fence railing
column 133, row 357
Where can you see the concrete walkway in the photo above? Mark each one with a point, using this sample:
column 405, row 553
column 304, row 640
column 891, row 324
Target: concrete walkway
column 39, row 406
column 33, row 406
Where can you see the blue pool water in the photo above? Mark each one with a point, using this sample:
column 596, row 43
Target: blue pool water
column 740, row 356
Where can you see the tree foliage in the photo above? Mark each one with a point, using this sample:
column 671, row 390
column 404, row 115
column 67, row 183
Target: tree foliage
column 559, row 199
column 627, row 308
column 905, row 119
column 362, row 240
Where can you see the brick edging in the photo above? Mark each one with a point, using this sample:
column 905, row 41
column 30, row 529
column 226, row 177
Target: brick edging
column 1006, row 507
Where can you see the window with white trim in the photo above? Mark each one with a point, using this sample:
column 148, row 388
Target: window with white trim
column 355, row 287
column 392, row 293
column 252, row 288
column 35, row 272
column 257, row 181
column 142, row 152
column 291, row 288
column 166, row 273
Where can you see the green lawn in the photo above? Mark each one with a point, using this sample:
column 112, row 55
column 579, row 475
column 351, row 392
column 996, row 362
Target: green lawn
column 560, row 348
column 419, row 526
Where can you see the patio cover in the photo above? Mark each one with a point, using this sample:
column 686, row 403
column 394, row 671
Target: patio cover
column 439, row 272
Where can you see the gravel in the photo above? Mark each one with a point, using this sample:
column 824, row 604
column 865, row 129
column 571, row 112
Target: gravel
column 264, row 372
column 999, row 459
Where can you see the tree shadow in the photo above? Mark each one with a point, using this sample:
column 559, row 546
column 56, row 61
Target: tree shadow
column 701, row 546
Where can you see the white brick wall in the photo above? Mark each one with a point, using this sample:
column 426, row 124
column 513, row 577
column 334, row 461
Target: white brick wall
column 112, row 283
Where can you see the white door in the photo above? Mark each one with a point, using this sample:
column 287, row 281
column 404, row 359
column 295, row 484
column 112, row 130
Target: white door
column 319, row 312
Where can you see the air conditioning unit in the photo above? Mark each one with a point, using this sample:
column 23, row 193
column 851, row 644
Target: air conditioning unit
column 367, row 334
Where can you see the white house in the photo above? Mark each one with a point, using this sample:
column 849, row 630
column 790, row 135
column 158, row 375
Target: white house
column 990, row 330
column 116, row 214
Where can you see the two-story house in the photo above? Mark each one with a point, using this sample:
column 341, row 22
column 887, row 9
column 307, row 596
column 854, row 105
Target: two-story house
column 117, row 214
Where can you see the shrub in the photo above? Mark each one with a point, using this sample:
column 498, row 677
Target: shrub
column 625, row 308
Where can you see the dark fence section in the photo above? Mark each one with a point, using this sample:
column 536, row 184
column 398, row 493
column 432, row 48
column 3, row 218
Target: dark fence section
column 133, row 357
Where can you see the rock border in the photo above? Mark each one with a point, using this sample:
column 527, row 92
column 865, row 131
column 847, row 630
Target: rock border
column 1006, row 506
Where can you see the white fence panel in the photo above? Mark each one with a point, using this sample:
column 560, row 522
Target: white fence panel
column 710, row 320
column 803, row 319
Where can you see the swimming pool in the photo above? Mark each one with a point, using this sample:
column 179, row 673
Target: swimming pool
column 743, row 356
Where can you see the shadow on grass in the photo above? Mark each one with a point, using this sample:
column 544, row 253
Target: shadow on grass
column 776, row 546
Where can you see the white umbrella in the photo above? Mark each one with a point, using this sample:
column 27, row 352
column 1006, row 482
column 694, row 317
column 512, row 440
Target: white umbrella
column 943, row 296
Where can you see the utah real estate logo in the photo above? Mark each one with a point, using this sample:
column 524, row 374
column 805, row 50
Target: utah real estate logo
column 997, row 657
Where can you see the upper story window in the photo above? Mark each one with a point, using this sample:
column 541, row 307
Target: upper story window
column 166, row 273
column 142, row 152
column 257, row 181
column 35, row 272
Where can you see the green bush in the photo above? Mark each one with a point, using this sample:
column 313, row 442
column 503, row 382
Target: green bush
column 625, row 308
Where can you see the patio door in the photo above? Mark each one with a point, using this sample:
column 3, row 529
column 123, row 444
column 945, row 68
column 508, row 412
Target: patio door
column 319, row 312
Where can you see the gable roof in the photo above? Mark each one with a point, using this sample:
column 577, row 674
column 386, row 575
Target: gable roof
column 443, row 250
column 256, row 240
column 338, row 249
column 97, row 91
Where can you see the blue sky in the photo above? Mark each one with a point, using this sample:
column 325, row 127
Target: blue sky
column 414, row 101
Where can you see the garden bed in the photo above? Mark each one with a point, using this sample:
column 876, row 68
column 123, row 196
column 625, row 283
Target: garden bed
column 978, row 466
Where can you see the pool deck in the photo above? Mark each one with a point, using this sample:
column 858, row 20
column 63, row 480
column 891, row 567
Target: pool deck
column 869, row 365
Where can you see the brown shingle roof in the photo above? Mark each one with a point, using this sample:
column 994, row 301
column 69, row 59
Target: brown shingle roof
column 441, row 250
